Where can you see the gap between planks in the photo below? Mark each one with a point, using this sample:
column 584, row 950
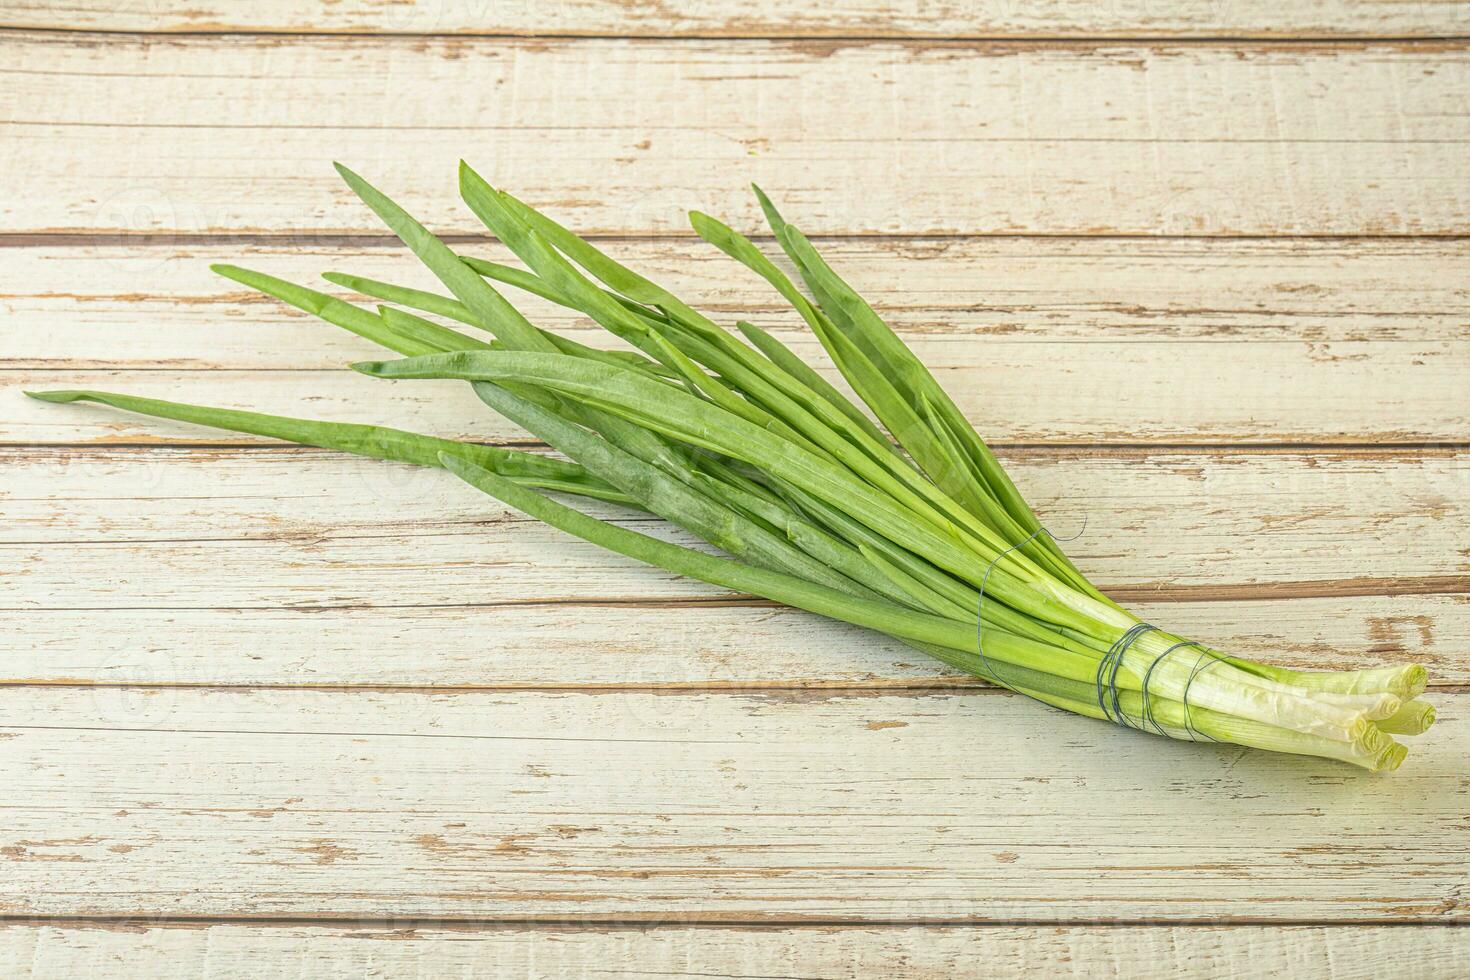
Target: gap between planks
column 60, row 238
column 1307, row 41
column 1125, row 450
column 724, row 19
column 1230, row 592
column 659, row 922
column 802, row 691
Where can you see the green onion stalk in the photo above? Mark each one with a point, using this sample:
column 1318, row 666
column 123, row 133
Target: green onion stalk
column 891, row 514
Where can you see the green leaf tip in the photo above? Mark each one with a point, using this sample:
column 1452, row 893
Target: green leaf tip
column 56, row 396
column 246, row 277
column 469, row 175
column 773, row 217
column 373, row 369
column 706, row 225
column 367, row 192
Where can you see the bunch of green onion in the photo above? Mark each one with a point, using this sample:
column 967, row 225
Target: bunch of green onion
column 902, row 521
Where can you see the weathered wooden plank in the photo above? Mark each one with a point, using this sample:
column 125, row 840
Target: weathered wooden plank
column 303, row 518
column 243, row 952
column 208, row 566
column 646, row 806
column 105, row 306
column 197, row 134
column 1027, row 390
column 665, row 644
column 1317, row 341
column 728, row 18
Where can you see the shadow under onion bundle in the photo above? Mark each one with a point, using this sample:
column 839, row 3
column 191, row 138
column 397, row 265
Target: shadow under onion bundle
column 908, row 525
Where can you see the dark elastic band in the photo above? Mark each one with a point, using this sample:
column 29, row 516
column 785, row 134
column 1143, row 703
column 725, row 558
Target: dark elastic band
column 1109, row 698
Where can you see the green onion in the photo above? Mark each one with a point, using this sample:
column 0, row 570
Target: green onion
column 888, row 512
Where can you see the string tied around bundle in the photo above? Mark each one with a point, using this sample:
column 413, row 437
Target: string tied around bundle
column 1109, row 696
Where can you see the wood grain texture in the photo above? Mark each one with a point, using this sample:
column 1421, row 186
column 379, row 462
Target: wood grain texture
column 729, row 18
column 244, row 952
column 644, row 806
column 662, row 644
column 94, row 306
column 1096, row 394
column 169, row 135
column 1138, row 341
column 139, row 528
column 203, row 566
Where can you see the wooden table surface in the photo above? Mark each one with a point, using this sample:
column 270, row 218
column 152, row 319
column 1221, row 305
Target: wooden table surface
column 1199, row 270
